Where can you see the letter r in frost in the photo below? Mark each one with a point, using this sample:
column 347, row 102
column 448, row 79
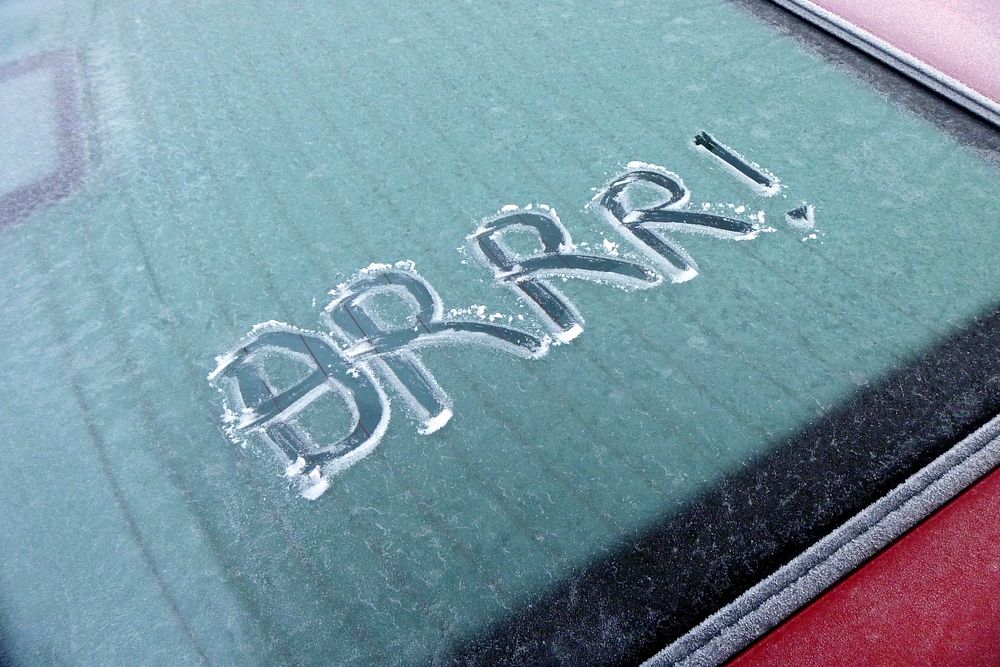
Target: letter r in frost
column 556, row 259
column 646, row 226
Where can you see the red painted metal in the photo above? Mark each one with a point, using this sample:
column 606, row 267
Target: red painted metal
column 931, row 598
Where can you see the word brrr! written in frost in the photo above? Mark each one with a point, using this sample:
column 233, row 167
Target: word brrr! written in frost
column 279, row 377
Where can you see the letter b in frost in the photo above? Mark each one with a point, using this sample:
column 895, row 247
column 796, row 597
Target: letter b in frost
column 275, row 376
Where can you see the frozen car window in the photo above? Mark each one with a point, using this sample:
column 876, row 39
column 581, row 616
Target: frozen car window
column 347, row 333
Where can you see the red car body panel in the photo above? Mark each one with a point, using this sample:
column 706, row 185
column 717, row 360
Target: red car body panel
column 929, row 599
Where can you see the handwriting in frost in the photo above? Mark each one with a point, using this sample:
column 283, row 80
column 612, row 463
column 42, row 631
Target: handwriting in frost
column 275, row 379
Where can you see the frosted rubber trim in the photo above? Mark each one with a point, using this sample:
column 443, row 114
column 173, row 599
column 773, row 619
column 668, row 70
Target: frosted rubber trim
column 764, row 606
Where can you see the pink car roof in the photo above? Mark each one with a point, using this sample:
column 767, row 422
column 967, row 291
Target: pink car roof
column 953, row 47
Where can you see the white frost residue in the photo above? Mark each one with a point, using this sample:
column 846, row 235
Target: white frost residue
column 476, row 310
column 436, row 422
column 316, row 490
column 271, row 325
column 807, row 221
column 295, row 467
column 611, row 248
column 570, row 334
column 221, row 362
column 375, row 267
column 684, row 276
column 359, row 348
column 247, row 417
